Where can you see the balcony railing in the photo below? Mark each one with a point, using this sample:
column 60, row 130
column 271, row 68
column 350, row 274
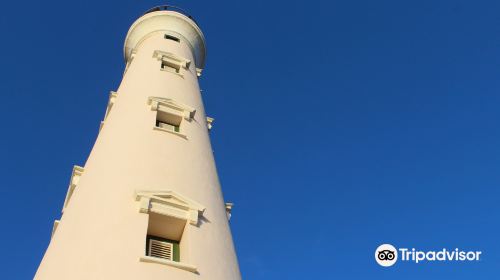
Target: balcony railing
column 170, row 8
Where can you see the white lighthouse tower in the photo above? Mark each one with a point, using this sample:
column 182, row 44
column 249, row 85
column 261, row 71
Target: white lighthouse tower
column 148, row 203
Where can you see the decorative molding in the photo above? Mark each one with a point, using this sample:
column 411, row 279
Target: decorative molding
column 129, row 61
column 111, row 101
column 73, row 182
column 54, row 228
column 169, row 203
column 167, row 56
column 229, row 208
column 172, row 60
column 180, row 265
column 210, row 122
column 170, row 106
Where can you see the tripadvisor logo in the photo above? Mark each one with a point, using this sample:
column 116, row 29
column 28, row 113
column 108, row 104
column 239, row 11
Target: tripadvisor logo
column 387, row 255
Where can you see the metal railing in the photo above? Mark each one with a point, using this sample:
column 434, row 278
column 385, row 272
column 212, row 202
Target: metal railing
column 170, row 8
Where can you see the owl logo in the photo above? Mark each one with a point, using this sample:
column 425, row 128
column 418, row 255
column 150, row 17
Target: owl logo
column 386, row 255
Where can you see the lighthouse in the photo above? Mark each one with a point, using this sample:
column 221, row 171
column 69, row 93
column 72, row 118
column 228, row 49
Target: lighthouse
column 148, row 204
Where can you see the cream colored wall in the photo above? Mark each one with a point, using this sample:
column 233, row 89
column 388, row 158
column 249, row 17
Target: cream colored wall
column 102, row 234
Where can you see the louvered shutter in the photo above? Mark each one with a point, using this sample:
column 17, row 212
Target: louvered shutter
column 161, row 249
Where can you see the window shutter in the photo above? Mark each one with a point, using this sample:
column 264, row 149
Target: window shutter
column 161, row 249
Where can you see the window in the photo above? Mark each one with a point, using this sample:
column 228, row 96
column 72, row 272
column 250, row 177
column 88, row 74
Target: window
column 170, row 217
column 171, row 67
column 164, row 237
column 170, row 37
column 167, row 126
column 168, row 121
column 172, row 63
column 171, row 116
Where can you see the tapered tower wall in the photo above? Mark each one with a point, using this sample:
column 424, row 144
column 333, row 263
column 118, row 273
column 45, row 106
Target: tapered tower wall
column 133, row 164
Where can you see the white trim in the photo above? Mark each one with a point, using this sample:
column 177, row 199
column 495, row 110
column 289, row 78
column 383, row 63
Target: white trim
column 171, row 131
column 210, row 123
column 167, row 56
column 111, row 101
column 169, row 203
column 73, row 182
column 229, row 209
column 129, row 61
column 54, row 228
column 170, row 106
column 185, row 266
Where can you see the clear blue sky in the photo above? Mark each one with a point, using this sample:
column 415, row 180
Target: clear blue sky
column 340, row 125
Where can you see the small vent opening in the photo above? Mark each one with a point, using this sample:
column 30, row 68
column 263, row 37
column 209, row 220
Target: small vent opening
column 170, row 37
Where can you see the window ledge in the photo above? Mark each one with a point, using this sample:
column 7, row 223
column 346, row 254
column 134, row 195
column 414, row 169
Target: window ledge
column 170, row 131
column 180, row 265
column 173, row 72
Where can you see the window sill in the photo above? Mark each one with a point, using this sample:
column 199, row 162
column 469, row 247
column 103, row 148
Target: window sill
column 173, row 72
column 180, row 265
column 170, row 131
